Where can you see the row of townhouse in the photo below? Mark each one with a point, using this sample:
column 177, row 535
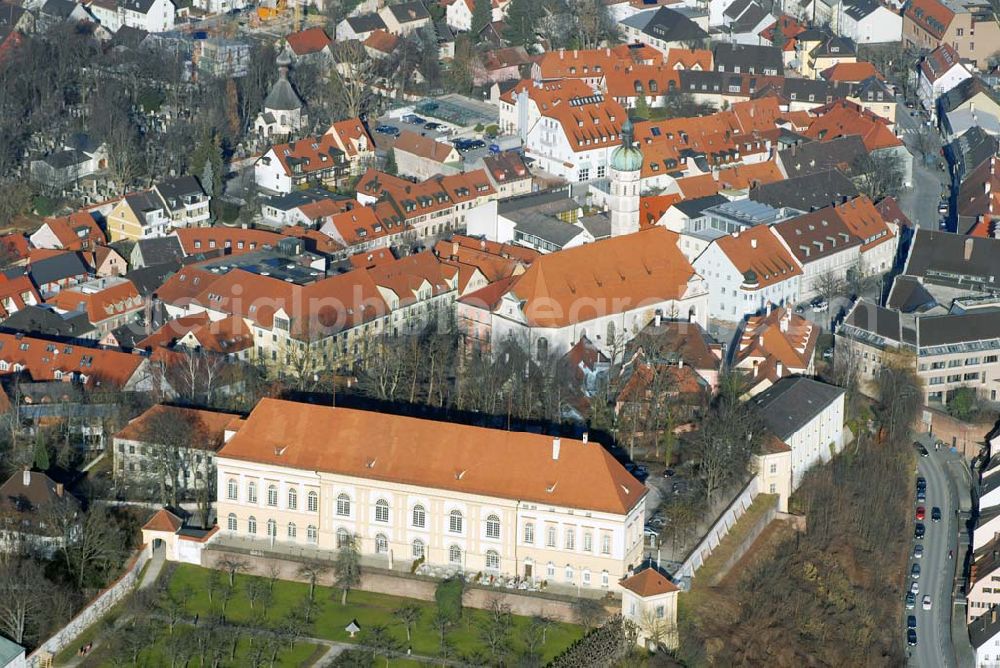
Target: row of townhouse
column 789, row 260
column 168, row 205
column 302, row 323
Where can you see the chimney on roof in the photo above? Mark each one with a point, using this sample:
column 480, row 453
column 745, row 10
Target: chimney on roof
column 555, row 448
column 767, row 309
column 26, row 478
column 785, row 318
column 657, row 319
column 586, row 437
column 760, row 340
column 780, row 368
column 562, row 52
column 59, row 489
column 968, row 249
column 753, row 243
column 680, row 363
column 576, row 54
column 454, row 248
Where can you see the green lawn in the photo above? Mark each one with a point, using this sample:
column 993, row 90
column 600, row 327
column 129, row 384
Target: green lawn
column 157, row 654
column 367, row 608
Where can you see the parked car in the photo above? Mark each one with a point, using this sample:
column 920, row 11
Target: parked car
column 919, row 530
column 918, row 551
column 921, row 483
column 799, row 308
column 911, row 621
column 819, row 305
column 943, row 207
column 935, row 514
column 927, row 602
column 390, row 130
column 911, row 637
column 432, row 126
column 922, row 450
column 413, row 118
column 911, row 600
column 921, row 495
column 915, row 571
column 669, row 473
column 914, row 587
column 649, row 531
column 828, row 354
column 920, row 512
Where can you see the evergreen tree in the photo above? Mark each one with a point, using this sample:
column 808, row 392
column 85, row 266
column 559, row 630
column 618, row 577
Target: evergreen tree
column 522, row 21
column 482, row 15
column 41, row 455
column 642, row 107
column 778, row 38
column 390, row 163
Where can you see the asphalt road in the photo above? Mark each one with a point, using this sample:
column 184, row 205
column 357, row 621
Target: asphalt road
column 920, row 202
column 935, row 648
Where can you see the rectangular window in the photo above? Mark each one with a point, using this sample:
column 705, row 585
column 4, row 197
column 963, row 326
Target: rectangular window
column 570, row 541
column 550, row 537
column 588, row 542
column 605, row 544
column 529, row 533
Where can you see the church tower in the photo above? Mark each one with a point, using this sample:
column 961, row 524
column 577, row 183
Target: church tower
column 625, row 173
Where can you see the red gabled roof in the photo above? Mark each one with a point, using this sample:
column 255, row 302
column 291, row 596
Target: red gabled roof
column 77, row 231
column 310, row 40
column 932, row 16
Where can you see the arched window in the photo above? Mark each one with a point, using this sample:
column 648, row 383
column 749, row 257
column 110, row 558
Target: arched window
column 455, row 521
column 542, row 347
column 381, row 510
column 381, row 544
column 272, row 495
column 493, row 527
column 311, row 533
column 343, row 505
column 605, row 544
column 251, row 492
column 419, row 516
column 343, row 538
column 252, row 525
column 653, row 86
column 604, row 578
column 312, row 502
column 272, row 529
column 550, row 537
column 570, row 541
column 455, row 554
column 293, row 499
column 569, row 573
column 232, row 489
column 418, row 548
column 292, row 530
column 588, row 542
column 492, row 560
column 586, row 578
column 231, row 522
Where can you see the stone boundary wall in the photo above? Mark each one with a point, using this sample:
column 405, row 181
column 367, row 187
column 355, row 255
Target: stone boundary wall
column 719, row 530
column 96, row 609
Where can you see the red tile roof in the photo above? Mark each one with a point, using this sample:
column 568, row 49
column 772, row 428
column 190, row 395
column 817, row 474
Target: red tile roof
column 649, row 582
column 163, row 520
column 310, row 40
column 231, row 240
column 208, row 427
column 842, row 118
column 50, row 360
column 119, row 298
column 226, row 336
column 759, row 250
column 77, row 231
column 453, row 457
column 930, row 15
column 382, row 41
column 613, row 275
column 352, row 137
